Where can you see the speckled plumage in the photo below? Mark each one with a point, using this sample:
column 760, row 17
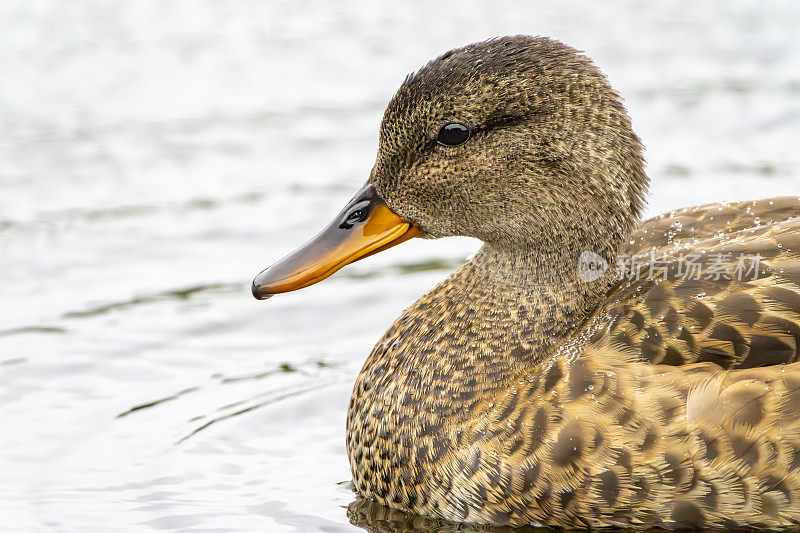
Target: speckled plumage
column 516, row 393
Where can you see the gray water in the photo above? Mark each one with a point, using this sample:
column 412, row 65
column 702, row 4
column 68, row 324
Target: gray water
column 154, row 156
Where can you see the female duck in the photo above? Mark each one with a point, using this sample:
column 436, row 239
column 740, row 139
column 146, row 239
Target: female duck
column 527, row 387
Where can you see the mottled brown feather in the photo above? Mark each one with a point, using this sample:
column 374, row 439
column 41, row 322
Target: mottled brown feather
column 746, row 318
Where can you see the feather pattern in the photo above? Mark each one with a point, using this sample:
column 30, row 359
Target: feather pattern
column 677, row 404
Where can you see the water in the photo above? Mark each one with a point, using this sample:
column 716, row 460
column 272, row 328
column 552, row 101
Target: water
column 154, row 156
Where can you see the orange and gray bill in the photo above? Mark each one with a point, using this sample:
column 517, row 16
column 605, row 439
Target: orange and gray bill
column 364, row 227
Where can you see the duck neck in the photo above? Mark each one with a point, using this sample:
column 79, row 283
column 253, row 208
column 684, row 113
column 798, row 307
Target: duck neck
column 502, row 313
column 535, row 268
column 562, row 286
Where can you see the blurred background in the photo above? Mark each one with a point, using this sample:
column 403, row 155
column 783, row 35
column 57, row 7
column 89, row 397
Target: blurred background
column 154, row 156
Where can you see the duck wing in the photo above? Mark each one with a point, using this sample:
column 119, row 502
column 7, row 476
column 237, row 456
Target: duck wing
column 716, row 283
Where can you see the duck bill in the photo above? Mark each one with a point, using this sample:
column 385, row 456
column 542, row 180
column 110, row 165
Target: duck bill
column 364, row 227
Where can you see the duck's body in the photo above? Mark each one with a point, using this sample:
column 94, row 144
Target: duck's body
column 519, row 390
column 644, row 413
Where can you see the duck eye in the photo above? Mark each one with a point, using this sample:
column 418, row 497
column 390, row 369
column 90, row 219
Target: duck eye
column 453, row 134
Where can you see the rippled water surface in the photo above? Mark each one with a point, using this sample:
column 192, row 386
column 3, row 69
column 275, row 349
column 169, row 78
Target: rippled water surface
column 154, row 156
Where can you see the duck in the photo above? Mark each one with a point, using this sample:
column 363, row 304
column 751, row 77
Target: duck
column 585, row 368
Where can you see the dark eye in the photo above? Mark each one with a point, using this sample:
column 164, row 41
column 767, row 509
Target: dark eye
column 453, row 134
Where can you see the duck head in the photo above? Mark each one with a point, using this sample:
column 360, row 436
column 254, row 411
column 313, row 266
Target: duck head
column 519, row 142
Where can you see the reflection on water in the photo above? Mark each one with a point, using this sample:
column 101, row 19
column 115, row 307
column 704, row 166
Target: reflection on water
column 154, row 156
column 376, row 518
